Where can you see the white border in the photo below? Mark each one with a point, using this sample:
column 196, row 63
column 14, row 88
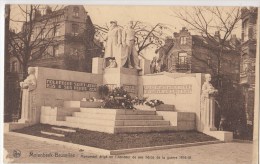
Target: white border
column 107, row 2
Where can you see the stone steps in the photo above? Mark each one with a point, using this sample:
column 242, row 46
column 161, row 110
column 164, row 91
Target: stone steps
column 52, row 134
column 100, row 128
column 145, row 129
column 142, row 123
column 117, row 111
column 118, row 129
column 93, row 121
column 139, row 117
column 118, row 122
column 64, row 129
column 104, row 116
column 94, row 116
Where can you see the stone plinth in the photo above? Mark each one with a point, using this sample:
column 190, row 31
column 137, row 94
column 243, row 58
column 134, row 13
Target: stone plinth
column 109, row 120
column 145, row 65
column 116, row 77
column 97, row 65
column 182, row 120
column 8, row 127
column 221, row 135
column 55, row 86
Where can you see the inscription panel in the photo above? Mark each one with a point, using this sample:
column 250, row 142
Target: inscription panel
column 168, row 89
column 71, row 85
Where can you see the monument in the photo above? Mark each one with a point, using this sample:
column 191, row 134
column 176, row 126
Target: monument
column 208, row 105
column 27, row 86
column 58, row 94
column 120, row 47
column 113, row 41
column 128, row 43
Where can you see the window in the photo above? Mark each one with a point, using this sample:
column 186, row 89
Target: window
column 76, row 11
column 183, row 40
column 182, row 58
column 14, row 66
column 56, row 50
column 75, row 29
column 182, row 61
column 56, row 31
column 43, row 34
column 245, row 27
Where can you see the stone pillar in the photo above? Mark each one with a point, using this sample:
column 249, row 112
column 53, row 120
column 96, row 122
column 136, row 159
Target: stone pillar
column 211, row 125
column 145, row 66
column 97, row 65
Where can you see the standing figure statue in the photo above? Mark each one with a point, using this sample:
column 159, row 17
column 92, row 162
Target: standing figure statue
column 27, row 86
column 113, row 41
column 208, row 104
column 128, row 41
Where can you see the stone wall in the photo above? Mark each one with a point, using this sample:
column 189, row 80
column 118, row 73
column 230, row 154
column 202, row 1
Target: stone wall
column 179, row 89
column 45, row 95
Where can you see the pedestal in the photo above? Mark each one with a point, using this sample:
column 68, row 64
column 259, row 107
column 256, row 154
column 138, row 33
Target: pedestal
column 125, row 77
column 97, row 65
column 211, row 119
column 208, row 116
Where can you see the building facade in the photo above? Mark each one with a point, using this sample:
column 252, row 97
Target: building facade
column 63, row 39
column 197, row 54
column 248, row 59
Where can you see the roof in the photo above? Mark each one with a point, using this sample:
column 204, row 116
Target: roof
column 211, row 43
column 53, row 14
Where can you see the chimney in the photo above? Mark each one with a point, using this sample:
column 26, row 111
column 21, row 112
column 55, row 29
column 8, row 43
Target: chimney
column 217, row 36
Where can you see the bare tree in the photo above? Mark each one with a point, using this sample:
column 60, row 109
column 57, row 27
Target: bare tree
column 147, row 35
column 36, row 35
column 208, row 20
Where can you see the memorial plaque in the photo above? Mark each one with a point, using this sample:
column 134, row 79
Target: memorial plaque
column 168, row 89
column 130, row 88
column 71, row 85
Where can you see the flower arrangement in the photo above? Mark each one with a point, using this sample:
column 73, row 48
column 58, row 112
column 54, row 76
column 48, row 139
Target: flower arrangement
column 153, row 103
column 119, row 98
column 92, row 99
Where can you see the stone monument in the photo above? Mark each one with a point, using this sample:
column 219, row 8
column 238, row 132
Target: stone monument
column 113, row 41
column 28, row 85
column 208, row 105
column 128, row 43
column 120, row 47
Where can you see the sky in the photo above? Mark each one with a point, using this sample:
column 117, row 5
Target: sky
column 102, row 15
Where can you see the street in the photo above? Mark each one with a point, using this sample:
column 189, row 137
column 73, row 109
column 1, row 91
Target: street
column 41, row 152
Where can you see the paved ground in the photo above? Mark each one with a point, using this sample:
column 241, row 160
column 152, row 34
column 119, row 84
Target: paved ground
column 223, row 153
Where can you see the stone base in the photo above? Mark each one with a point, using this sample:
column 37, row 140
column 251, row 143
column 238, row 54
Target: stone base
column 181, row 120
column 220, row 135
column 23, row 121
column 82, row 104
column 8, row 127
column 118, row 120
